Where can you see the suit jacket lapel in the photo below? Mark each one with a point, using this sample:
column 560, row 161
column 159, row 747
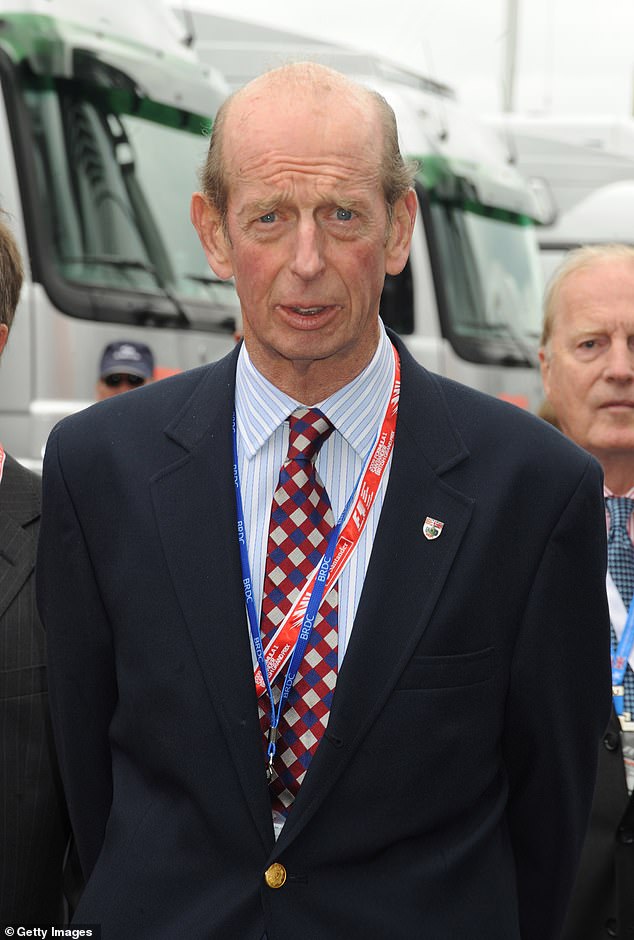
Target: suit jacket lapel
column 19, row 506
column 195, row 505
column 195, row 509
column 404, row 579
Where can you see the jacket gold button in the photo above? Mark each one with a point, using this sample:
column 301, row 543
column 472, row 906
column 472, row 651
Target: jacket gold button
column 275, row 875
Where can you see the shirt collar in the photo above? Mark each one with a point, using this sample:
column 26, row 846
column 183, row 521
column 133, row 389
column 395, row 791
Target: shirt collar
column 356, row 410
column 608, row 492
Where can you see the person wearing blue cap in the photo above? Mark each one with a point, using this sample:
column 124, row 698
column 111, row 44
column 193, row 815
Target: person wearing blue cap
column 125, row 364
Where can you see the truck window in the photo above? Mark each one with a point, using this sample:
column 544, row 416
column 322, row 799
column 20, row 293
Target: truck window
column 113, row 176
column 488, row 280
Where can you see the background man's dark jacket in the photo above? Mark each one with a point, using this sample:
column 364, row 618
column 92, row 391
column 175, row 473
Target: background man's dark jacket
column 34, row 829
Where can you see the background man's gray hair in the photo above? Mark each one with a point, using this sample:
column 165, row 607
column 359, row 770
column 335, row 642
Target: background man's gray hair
column 579, row 258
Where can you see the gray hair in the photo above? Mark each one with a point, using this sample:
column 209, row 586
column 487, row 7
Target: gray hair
column 576, row 260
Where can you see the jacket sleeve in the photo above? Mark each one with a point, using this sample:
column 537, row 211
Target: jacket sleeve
column 82, row 682
column 558, row 707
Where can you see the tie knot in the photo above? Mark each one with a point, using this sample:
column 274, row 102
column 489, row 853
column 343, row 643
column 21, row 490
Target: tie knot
column 308, row 429
column 620, row 509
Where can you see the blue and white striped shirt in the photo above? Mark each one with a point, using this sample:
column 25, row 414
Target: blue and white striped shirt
column 356, row 411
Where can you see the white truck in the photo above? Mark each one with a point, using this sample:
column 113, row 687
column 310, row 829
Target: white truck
column 587, row 164
column 101, row 135
column 104, row 114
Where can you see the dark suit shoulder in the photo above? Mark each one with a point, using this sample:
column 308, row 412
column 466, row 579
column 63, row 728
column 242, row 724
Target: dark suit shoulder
column 484, row 421
column 453, row 420
column 157, row 402
column 171, row 394
column 146, row 428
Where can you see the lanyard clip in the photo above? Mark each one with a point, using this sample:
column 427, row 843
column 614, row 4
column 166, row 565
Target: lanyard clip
column 272, row 738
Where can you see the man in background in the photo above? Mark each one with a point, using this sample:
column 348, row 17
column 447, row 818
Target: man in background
column 124, row 364
column 587, row 359
column 34, row 828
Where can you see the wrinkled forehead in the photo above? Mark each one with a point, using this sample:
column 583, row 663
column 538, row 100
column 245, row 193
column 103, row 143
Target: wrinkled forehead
column 599, row 285
column 305, row 122
column 596, row 295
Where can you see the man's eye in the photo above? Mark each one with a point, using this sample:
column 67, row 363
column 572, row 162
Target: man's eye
column 268, row 217
column 589, row 344
column 343, row 215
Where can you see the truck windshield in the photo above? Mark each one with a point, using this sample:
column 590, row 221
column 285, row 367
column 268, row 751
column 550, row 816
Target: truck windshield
column 492, row 283
column 114, row 180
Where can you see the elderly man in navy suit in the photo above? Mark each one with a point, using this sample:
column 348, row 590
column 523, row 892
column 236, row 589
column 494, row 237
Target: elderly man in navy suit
column 324, row 628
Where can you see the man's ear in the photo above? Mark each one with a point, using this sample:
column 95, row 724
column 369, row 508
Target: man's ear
column 207, row 222
column 4, row 335
column 400, row 235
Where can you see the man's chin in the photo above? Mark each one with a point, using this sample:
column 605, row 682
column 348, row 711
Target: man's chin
column 613, row 444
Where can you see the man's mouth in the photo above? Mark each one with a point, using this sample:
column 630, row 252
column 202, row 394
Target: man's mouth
column 307, row 311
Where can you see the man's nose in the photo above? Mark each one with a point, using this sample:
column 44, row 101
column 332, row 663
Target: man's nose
column 308, row 256
column 620, row 361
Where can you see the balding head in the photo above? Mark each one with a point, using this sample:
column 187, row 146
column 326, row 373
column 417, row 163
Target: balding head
column 307, row 84
column 298, row 212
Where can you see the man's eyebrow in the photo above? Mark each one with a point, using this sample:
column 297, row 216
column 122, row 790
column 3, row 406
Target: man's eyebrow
column 274, row 199
column 265, row 203
column 590, row 328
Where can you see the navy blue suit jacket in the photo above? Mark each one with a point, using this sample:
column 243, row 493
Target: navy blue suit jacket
column 450, row 794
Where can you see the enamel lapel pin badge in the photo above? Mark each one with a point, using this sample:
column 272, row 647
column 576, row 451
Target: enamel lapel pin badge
column 432, row 528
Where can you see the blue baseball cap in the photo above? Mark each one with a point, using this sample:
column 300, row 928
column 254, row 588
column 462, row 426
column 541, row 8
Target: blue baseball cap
column 127, row 356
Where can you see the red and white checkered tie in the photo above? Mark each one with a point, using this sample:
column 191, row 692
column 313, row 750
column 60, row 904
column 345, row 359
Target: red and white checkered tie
column 301, row 523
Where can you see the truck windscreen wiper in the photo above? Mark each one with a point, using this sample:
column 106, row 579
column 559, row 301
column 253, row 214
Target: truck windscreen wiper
column 527, row 355
column 135, row 264
column 209, row 279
